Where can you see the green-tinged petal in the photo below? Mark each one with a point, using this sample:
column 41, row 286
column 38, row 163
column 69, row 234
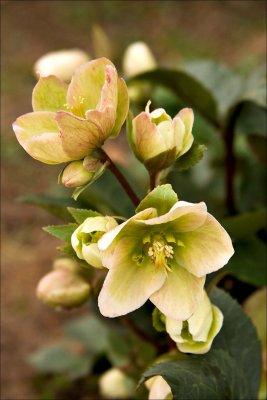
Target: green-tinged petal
column 205, row 249
column 200, row 322
column 128, row 285
column 122, row 107
column 91, row 255
column 39, row 135
column 187, row 116
column 49, row 94
column 95, row 224
column 148, row 142
column 76, row 242
column 180, row 294
column 183, row 215
column 87, row 83
column 204, row 347
column 179, row 133
column 174, row 329
column 79, row 136
column 103, row 119
column 132, row 231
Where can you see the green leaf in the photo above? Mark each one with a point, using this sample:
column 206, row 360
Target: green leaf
column 248, row 263
column 61, row 358
column 162, row 198
column 244, row 225
column 251, row 120
column 81, row 214
column 56, row 206
column 157, row 322
column 90, row 331
column 190, row 158
column 230, row 370
column 62, row 232
column 188, row 87
column 255, row 86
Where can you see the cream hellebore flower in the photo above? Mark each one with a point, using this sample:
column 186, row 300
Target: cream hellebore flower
column 196, row 334
column 158, row 388
column 114, row 384
column 157, row 140
column 69, row 122
column 84, row 239
column 162, row 253
column 60, row 63
column 138, row 58
column 63, row 287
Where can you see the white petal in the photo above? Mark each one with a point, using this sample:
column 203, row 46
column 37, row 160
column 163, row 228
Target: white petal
column 91, row 255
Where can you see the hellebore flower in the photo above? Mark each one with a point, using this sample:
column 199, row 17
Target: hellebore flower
column 114, row 384
column 84, row 239
column 63, row 287
column 196, row 334
column 60, row 63
column 158, row 388
column 69, row 122
column 157, row 140
column 138, row 58
column 162, row 253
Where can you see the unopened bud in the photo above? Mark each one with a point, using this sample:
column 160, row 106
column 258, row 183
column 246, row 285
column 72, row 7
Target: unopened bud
column 62, row 288
column 138, row 58
column 114, row 384
column 158, row 388
column 60, row 63
column 75, row 175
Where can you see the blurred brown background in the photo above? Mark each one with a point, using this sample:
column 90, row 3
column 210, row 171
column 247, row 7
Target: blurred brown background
column 232, row 32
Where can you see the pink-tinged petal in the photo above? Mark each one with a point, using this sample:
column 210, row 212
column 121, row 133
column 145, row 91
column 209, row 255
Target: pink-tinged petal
column 147, row 140
column 87, row 84
column 128, row 285
column 108, row 237
column 49, row 94
column 122, row 107
column 179, row 133
column 79, row 136
column 206, row 249
column 183, row 215
column 103, row 119
column 180, row 294
column 187, row 116
column 109, row 92
column 39, row 135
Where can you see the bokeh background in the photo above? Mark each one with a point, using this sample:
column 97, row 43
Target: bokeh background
column 231, row 32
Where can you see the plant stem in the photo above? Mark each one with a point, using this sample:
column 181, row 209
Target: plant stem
column 121, row 179
column 152, row 178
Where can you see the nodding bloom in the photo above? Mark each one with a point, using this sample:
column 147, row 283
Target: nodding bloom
column 158, row 140
column 69, row 122
column 162, row 255
column 196, row 334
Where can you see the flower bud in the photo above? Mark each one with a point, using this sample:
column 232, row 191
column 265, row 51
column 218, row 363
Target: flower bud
column 84, row 239
column 60, row 63
column 114, row 384
column 157, row 140
column 158, row 388
column 62, row 288
column 75, row 175
column 196, row 334
column 138, row 58
column 67, row 264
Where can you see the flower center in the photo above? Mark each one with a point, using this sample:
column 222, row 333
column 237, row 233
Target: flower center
column 92, row 237
column 78, row 109
column 159, row 252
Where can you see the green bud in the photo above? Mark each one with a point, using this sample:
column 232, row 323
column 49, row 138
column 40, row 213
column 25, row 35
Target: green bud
column 114, row 384
column 62, row 288
column 75, row 175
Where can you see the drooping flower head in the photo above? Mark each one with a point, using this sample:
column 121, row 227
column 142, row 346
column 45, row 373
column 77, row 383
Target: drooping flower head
column 196, row 334
column 163, row 253
column 158, row 140
column 69, row 122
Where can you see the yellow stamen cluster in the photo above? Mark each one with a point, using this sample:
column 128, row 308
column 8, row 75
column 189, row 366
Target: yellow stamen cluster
column 78, row 109
column 159, row 252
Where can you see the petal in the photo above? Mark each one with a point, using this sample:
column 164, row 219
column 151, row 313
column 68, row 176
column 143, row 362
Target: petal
column 179, row 132
column 49, row 94
column 39, row 135
column 148, row 142
column 185, row 217
column 187, row 116
column 128, row 285
column 180, row 294
column 91, row 255
column 204, row 347
column 206, row 249
column 79, row 136
column 108, row 238
column 122, row 107
column 87, row 84
column 158, row 388
column 76, row 242
column 103, row 119
column 174, row 329
column 200, row 322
